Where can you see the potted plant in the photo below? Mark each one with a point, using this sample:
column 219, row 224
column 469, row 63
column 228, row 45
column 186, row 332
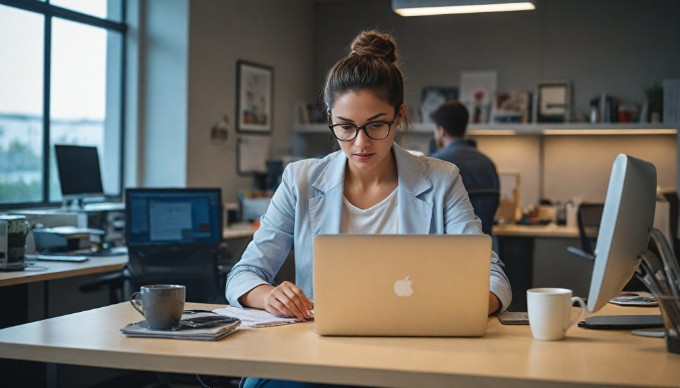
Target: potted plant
column 655, row 102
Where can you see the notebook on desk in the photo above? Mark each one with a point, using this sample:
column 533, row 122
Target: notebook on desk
column 401, row 285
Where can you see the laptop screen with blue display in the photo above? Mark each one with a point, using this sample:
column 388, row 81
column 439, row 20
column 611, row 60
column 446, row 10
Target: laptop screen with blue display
column 161, row 217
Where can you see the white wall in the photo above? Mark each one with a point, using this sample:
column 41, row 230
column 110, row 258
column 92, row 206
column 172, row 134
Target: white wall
column 614, row 46
column 275, row 33
column 619, row 47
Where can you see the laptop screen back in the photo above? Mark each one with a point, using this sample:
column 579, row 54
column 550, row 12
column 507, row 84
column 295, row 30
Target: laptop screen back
column 401, row 285
column 177, row 217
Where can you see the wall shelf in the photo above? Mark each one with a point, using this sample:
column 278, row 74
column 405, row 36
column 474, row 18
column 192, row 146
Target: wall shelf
column 543, row 129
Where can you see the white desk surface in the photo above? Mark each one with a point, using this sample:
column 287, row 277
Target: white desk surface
column 238, row 230
column 552, row 230
column 51, row 270
column 506, row 356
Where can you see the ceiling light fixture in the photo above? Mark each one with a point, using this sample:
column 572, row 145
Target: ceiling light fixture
column 443, row 7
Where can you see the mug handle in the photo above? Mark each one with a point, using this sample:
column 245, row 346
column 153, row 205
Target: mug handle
column 135, row 301
column 582, row 305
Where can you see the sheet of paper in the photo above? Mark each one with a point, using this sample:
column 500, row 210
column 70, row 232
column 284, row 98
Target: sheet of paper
column 255, row 317
column 252, row 154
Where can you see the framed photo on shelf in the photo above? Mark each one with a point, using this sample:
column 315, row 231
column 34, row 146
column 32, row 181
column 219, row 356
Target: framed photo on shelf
column 511, row 107
column 553, row 102
column 477, row 91
column 432, row 97
column 254, row 97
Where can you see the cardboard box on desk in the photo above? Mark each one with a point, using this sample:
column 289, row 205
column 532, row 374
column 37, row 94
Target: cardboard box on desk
column 509, row 208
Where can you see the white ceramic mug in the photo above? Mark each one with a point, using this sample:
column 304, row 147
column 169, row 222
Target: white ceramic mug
column 550, row 312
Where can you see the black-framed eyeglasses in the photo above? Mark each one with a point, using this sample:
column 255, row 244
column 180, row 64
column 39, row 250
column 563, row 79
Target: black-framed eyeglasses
column 376, row 130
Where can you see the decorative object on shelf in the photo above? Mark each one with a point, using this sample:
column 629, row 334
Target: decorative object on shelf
column 302, row 113
column 445, row 7
column 254, row 97
column 219, row 132
column 553, row 102
column 308, row 113
column 604, row 109
column 477, row 89
column 431, row 98
column 654, row 96
column 511, row 107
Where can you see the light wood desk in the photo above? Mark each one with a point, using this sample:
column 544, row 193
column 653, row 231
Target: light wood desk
column 506, row 356
column 51, row 270
column 552, row 230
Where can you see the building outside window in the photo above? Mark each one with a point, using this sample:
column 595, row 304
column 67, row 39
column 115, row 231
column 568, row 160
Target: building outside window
column 61, row 82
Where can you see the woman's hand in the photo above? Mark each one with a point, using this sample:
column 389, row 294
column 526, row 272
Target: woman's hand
column 494, row 303
column 288, row 300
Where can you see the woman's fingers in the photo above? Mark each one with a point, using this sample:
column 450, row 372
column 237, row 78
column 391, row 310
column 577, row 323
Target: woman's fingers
column 289, row 301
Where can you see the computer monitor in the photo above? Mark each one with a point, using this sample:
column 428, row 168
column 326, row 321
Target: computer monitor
column 624, row 234
column 171, row 216
column 79, row 171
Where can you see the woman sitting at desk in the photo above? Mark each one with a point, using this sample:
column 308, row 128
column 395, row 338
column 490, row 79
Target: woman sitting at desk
column 371, row 186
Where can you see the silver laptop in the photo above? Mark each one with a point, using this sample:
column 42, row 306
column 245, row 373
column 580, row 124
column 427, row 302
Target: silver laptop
column 401, row 285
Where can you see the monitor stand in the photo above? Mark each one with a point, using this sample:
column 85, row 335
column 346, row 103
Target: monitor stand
column 80, row 202
column 621, row 322
column 652, row 270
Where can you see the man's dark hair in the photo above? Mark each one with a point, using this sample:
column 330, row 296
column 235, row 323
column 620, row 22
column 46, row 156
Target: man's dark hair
column 453, row 117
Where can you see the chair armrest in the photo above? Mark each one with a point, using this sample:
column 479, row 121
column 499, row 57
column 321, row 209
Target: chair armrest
column 581, row 253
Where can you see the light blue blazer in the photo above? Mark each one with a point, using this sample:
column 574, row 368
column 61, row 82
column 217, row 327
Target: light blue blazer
column 431, row 199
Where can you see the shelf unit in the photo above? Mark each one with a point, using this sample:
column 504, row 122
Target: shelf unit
column 544, row 129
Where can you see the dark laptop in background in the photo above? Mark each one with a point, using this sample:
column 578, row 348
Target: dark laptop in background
column 173, row 236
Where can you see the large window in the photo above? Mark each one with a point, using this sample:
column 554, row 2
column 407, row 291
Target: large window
column 61, row 81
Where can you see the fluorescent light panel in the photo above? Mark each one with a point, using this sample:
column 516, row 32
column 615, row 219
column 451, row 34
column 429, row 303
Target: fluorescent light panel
column 443, row 7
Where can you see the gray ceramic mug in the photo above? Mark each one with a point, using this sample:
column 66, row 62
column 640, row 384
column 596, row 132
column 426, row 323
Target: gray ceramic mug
column 160, row 304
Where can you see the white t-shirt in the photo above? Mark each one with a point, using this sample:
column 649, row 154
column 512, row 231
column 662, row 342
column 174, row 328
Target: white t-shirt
column 381, row 218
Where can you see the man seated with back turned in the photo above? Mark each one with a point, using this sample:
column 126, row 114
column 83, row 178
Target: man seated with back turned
column 477, row 170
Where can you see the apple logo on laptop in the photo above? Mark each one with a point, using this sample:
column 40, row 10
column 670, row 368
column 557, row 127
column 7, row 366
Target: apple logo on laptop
column 402, row 287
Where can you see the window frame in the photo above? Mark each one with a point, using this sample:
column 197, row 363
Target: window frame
column 49, row 11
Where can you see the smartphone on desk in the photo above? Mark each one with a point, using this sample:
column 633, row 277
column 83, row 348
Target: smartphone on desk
column 206, row 321
column 513, row 317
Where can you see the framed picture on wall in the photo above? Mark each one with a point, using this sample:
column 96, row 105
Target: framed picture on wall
column 553, row 102
column 254, row 97
column 432, row 97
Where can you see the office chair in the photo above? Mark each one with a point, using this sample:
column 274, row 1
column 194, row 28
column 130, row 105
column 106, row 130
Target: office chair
column 485, row 202
column 203, row 272
column 589, row 216
column 196, row 269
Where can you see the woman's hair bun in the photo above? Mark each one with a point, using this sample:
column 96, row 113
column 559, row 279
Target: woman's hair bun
column 375, row 43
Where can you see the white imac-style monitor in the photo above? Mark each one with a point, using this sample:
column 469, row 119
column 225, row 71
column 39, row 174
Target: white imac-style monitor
column 625, row 228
